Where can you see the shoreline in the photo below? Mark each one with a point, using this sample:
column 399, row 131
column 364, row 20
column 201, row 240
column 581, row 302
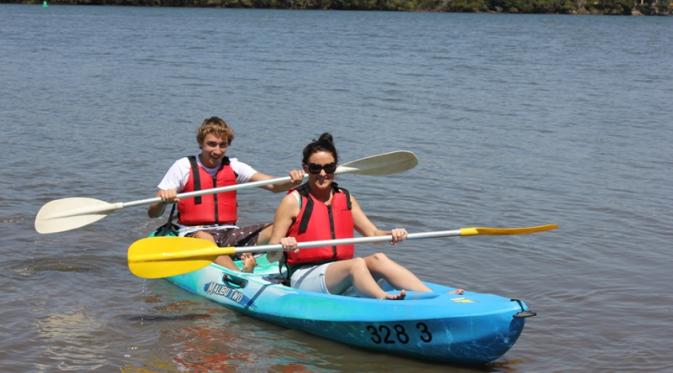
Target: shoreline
column 568, row 7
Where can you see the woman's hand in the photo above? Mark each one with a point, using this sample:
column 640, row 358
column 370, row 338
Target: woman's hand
column 399, row 234
column 289, row 244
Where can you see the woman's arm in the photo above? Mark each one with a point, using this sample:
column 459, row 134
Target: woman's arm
column 362, row 222
column 366, row 228
column 287, row 211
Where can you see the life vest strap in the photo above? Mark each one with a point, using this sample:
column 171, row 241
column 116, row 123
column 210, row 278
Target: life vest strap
column 196, row 177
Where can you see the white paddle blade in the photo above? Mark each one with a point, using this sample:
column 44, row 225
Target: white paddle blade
column 71, row 213
column 382, row 164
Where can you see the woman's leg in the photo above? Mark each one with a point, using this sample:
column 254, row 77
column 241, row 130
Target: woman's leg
column 353, row 272
column 399, row 277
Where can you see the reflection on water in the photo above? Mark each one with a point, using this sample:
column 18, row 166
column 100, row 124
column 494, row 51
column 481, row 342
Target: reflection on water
column 204, row 348
column 39, row 267
column 162, row 317
column 72, row 341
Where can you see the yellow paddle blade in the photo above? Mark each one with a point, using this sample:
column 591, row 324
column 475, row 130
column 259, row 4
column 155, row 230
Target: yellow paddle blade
column 504, row 231
column 167, row 268
column 158, row 257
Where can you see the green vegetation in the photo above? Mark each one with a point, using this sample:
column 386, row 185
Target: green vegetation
column 612, row 7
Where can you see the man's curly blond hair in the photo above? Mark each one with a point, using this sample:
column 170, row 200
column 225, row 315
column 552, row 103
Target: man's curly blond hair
column 216, row 126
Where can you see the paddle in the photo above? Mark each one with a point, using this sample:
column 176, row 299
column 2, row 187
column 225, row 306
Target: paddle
column 157, row 257
column 71, row 213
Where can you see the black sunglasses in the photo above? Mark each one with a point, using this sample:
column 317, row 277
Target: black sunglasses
column 315, row 168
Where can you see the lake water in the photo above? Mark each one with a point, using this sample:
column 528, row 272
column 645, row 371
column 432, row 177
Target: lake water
column 516, row 119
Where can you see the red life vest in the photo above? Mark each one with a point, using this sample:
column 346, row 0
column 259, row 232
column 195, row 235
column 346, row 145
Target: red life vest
column 317, row 221
column 220, row 208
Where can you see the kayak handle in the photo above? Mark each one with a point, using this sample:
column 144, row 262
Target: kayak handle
column 524, row 312
column 234, row 281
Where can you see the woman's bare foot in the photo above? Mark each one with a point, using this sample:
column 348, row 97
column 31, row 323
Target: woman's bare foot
column 458, row 291
column 249, row 263
column 399, row 296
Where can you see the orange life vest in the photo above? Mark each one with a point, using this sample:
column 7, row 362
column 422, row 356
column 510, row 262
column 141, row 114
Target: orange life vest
column 318, row 221
column 220, row 208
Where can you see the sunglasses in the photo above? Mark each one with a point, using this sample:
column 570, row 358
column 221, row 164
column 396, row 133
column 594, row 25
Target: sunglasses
column 315, row 168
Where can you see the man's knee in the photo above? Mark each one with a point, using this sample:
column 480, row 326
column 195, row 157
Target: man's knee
column 264, row 235
column 204, row 235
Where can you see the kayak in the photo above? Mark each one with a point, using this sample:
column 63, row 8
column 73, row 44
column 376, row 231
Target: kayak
column 470, row 328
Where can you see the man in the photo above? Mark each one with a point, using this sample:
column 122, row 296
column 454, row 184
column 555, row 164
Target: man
column 211, row 168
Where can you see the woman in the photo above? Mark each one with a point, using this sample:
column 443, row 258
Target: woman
column 320, row 210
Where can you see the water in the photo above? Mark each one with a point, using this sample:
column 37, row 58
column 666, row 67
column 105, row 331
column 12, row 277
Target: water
column 516, row 119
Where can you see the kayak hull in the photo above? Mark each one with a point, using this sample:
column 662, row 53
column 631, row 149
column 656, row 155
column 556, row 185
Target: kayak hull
column 471, row 328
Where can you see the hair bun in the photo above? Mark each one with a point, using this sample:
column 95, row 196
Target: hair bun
column 326, row 137
column 323, row 143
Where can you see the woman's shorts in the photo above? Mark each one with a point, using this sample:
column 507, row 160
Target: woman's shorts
column 310, row 278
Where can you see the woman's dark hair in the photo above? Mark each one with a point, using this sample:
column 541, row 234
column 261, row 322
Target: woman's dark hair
column 323, row 143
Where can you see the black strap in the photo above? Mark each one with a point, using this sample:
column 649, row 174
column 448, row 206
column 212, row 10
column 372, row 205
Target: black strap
column 225, row 162
column 283, row 263
column 196, row 175
column 303, row 225
column 348, row 198
column 168, row 229
column 171, row 215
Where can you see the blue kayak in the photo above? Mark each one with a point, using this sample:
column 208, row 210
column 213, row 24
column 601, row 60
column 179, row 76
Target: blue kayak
column 471, row 328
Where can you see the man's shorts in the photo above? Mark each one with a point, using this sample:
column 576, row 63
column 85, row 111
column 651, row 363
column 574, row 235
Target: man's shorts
column 235, row 236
